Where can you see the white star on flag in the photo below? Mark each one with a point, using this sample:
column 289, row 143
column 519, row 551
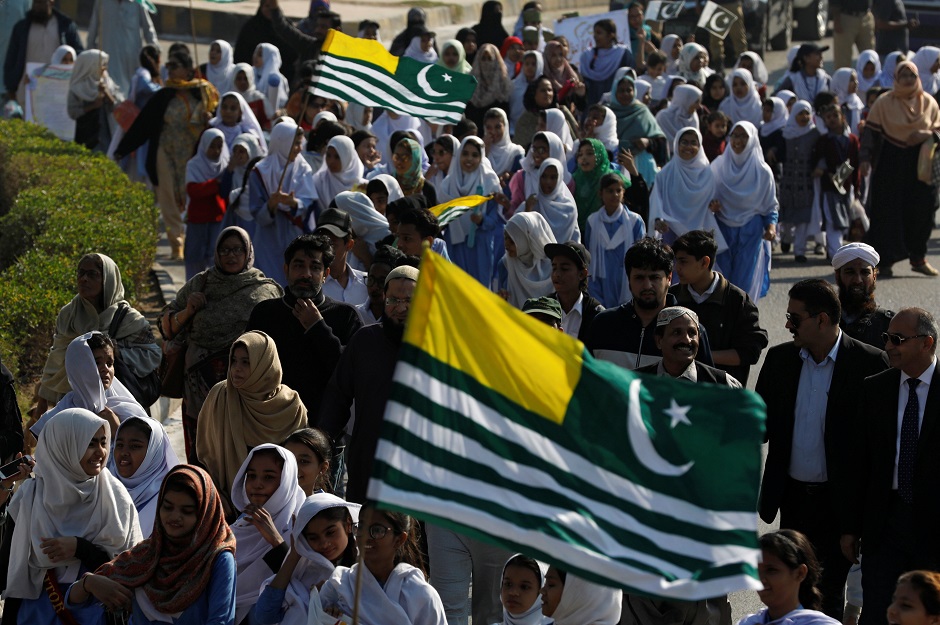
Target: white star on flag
column 679, row 414
column 447, row 78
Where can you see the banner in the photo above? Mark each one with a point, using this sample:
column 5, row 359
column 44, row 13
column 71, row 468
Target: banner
column 579, row 31
column 46, row 97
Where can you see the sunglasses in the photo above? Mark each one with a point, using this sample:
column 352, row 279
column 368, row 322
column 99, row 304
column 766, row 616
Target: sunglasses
column 898, row 339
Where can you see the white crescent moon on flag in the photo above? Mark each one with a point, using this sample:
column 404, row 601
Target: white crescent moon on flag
column 424, row 84
column 721, row 21
column 642, row 444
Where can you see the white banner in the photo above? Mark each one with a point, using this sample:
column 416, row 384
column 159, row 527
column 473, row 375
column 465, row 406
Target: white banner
column 46, row 96
column 579, row 31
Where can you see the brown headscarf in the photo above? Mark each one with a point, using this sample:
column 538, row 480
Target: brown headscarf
column 234, row 420
column 172, row 575
column 493, row 83
column 904, row 110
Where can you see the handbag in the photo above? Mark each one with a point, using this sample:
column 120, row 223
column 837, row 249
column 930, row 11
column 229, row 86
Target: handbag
column 928, row 161
column 125, row 113
column 146, row 388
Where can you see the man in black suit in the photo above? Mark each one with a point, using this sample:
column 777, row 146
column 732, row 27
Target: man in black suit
column 811, row 387
column 897, row 465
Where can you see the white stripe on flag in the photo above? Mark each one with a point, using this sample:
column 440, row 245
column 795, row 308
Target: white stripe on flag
column 368, row 100
column 380, row 77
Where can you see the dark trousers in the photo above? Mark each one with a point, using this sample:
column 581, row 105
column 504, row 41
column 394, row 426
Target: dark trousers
column 808, row 508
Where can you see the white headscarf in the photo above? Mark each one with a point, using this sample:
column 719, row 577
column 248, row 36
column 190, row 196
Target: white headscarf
column 584, row 603
column 368, row 223
column 744, row 183
column 793, row 130
column 458, row 183
column 144, row 485
column 530, row 272
column 328, row 184
column 87, row 389
column 250, row 143
column 62, row 501
column 850, row 101
column 533, row 614
column 249, row 72
column 323, row 116
column 271, row 66
column 248, row 123
column 283, row 504
column 886, row 77
column 777, row 120
column 391, row 186
column 924, row 59
column 519, row 85
column 60, row 53
column 555, row 150
column 759, row 73
column 384, row 127
column 864, row 58
column 558, row 207
column 199, row 168
column 87, row 74
column 676, row 116
column 786, row 95
column 686, row 55
column 504, row 152
column 606, row 131
column 668, row 43
column 404, row 588
column 222, row 73
column 683, row 190
column 414, row 51
column 299, row 177
column 746, row 109
column 555, row 122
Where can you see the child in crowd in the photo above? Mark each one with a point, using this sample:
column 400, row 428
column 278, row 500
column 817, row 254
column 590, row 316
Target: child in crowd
column 775, row 116
column 266, row 60
column 796, row 184
column 715, row 135
column 382, row 190
column 520, row 592
column 341, row 171
column 246, row 153
column 243, row 81
column 525, row 181
column 836, row 187
column 607, row 236
column 570, row 600
column 555, row 202
column 525, row 271
column 234, row 117
column 504, row 155
column 593, row 164
column 442, row 153
column 205, row 205
column 600, row 123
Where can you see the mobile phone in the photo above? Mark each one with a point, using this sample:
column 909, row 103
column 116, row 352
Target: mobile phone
column 13, row 468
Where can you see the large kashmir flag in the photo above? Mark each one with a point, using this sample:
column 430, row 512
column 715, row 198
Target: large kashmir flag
column 504, row 429
column 363, row 71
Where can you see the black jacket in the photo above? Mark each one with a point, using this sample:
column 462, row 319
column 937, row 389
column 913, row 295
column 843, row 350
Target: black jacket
column 868, row 328
column 15, row 63
column 590, row 307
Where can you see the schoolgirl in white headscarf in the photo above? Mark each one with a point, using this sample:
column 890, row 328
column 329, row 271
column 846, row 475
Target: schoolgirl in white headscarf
column 606, row 131
column 220, row 74
column 757, row 68
column 205, row 208
column 417, row 52
column 247, row 122
column 142, row 484
column 59, row 55
column 448, row 144
column 689, row 56
column 886, row 78
column 370, row 225
column 268, row 78
column 747, row 107
column 585, row 603
column 528, row 271
column 555, row 122
column 682, row 111
column 73, row 495
column 556, row 205
column 777, row 120
column 745, row 188
column 521, row 82
column 849, row 100
column 350, row 171
column 530, row 171
column 864, row 58
column 238, row 212
column 502, row 152
column 522, row 575
column 251, row 93
column 666, row 47
column 252, row 545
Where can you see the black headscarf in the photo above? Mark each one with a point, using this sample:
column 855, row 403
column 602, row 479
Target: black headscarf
column 490, row 29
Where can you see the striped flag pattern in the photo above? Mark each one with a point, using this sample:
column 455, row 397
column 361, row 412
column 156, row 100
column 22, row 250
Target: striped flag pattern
column 506, row 430
column 363, row 71
column 449, row 211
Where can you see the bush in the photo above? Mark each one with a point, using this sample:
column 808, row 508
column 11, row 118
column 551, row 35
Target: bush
column 59, row 201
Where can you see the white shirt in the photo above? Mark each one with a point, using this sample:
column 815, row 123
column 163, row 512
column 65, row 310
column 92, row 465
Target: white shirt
column 355, row 292
column 365, row 313
column 708, row 292
column 904, row 390
column 808, row 450
column 571, row 320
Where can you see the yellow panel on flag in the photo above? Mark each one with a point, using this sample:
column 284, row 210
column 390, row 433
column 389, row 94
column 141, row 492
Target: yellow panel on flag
column 440, row 317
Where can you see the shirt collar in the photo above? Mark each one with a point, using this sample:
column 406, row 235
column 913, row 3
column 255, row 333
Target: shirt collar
column 925, row 378
column 711, row 288
column 832, row 355
column 690, row 373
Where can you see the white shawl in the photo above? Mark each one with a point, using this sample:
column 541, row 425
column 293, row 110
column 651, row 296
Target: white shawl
column 530, row 272
column 558, row 207
column 555, row 150
column 777, row 120
column 368, row 223
column 299, row 177
column 328, row 184
column 458, row 183
column 406, row 599
column 221, row 74
column 676, row 116
column 746, row 109
column 744, row 183
column 247, row 124
column 585, row 603
column 503, row 152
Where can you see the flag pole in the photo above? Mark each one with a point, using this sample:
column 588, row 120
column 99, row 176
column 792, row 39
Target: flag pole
column 202, row 88
column 355, row 614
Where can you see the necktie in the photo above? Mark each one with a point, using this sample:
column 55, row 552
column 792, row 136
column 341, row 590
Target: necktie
column 908, row 451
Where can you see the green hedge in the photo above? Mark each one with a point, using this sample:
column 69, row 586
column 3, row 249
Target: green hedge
column 59, row 201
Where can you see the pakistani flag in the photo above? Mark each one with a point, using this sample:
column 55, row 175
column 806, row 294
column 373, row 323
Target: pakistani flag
column 363, row 71
column 504, row 429
column 449, row 211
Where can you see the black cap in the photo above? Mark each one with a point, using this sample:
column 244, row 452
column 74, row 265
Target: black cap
column 547, row 306
column 573, row 250
column 809, row 48
column 335, row 221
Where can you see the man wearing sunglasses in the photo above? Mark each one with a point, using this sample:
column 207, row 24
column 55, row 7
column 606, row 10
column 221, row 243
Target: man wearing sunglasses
column 897, row 464
column 856, row 267
column 811, row 387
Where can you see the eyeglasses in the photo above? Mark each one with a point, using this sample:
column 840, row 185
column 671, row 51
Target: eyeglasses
column 898, row 339
column 399, row 156
column 231, row 251
column 93, row 274
column 375, row 531
column 394, row 301
column 375, row 280
column 795, row 319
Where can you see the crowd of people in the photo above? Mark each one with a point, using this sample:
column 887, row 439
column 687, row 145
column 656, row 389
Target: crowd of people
column 635, row 197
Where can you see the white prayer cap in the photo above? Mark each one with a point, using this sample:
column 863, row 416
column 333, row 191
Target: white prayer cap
column 850, row 251
column 406, row 272
column 670, row 313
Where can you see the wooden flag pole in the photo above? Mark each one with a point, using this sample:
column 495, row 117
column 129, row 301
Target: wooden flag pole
column 303, row 107
column 358, row 594
column 202, row 90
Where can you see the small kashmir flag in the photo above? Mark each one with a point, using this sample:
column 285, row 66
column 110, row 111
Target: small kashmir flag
column 504, row 429
column 658, row 10
column 716, row 19
column 363, row 71
column 449, row 211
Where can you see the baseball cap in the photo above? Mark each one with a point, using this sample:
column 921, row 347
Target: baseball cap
column 335, row 221
column 572, row 249
column 548, row 306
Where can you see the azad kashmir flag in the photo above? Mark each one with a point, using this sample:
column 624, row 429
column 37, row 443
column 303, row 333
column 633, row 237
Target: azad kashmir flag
column 449, row 211
column 363, row 71
column 507, row 430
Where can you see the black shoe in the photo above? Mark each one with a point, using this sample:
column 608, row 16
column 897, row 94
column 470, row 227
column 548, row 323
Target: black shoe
column 801, row 259
column 784, row 247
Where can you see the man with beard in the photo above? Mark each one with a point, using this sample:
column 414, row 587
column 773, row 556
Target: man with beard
column 385, row 259
column 33, row 40
column 856, row 273
column 625, row 335
column 364, row 375
column 308, row 328
column 811, row 388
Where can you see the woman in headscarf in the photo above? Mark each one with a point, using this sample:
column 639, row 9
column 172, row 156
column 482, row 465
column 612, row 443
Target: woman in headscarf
column 282, row 192
column 243, row 81
column 637, row 129
column 927, row 60
column 205, row 205
column 267, row 494
column 141, row 458
column 845, row 84
column 599, row 63
column 898, row 124
column 693, row 64
column 752, row 62
column 570, row 600
column 211, row 311
column 494, row 87
column 423, row 47
column 234, row 117
column 745, row 104
column 185, row 571
column 533, row 67
column 503, row 154
column 557, row 68
column 525, row 271
column 91, row 100
column 593, row 164
column 341, row 170
column 525, row 181
column 671, row 46
column 172, row 121
column 100, row 295
column 747, row 211
column 454, row 57
column 868, row 70
column 269, row 79
column 470, row 237
column 249, row 408
column 555, row 203
column 406, row 160
column 220, row 67
column 556, row 122
column 246, row 153
column 512, row 52
column 490, row 28
column 387, row 125
column 682, row 111
column 540, row 98
column 89, row 363
column 442, row 150
column 886, row 78
column 682, row 198
column 72, row 518
column 468, row 39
